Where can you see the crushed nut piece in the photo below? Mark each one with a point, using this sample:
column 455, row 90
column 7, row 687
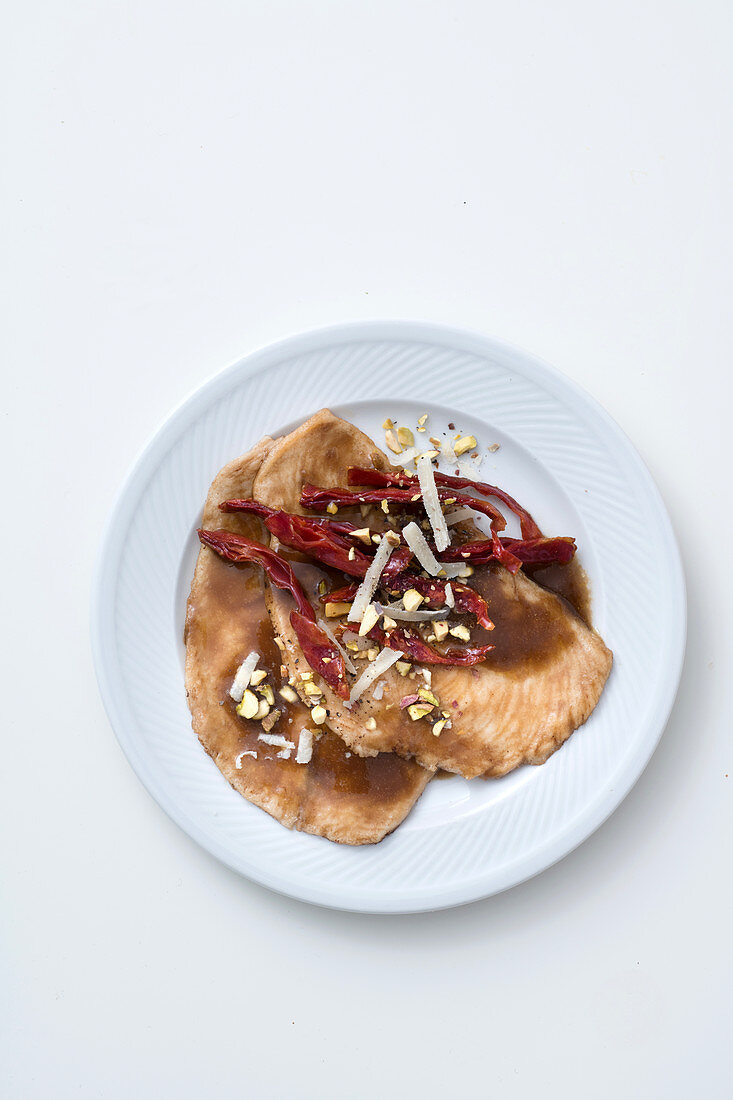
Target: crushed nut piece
column 461, row 632
column 411, row 599
column 249, row 705
column 370, row 724
column 270, row 719
column 318, row 714
column 288, row 694
column 392, row 442
column 406, row 438
column 467, row 443
column 334, row 609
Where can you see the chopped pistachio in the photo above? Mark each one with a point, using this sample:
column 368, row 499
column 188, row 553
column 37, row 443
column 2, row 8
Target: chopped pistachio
column 372, row 654
column 311, row 689
column 440, row 626
column 418, row 710
column 467, row 443
column 403, row 667
column 248, row 707
column 461, row 632
column 334, row 609
column 332, row 508
column 392, row 538
column 392, row 442
column 306, row 675
column 406, row 438
column 370, row 724
column 257, row 677
column 270, row 719
column 428, row 697
column 376, row 538
column 430, row 454
column 467, row 571
column 388, row 623
column 449, row 500
column 263, row 710
column 288, row 694
column 318, row 714
column 435, row 442
column 279, row 642
column 352, row 553
column 438, row 727
column 363, row 535
column 385, row 507
column 321, row 588
column 352, row 646
column 422, row 419
column 412, row 599
column 267, row 693
column 387, row 424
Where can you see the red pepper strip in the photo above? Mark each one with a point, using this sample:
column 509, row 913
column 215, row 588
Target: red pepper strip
column 530, row 530
column 340, row 595
column 468, row 602
column 542, row 551
column 318, row 650
column 309, row 536
column 410, row 643
column 313, row 496
column 322, row 539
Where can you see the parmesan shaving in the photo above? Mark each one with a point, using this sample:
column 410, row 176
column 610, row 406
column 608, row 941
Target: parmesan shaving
column 376, row 669
column 459, row 515
column 415, row 539
column 238, row 759
column 398, row 612
column 449, row 597
column 431, row 501
column 378, row 691
column 284, row 754
column 368, row 586
column 406, row 456
column 350, row 666
column 276, row 739
column 305, row 747
column 243, row 676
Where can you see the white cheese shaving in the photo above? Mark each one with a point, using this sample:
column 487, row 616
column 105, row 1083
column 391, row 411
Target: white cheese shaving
column 404, row 457
column 377, row 668
column 415, row 539
column 350, row 666
column 378, row 690
column 459, row 515
column 431, row 501
column 238, row 759
column 398, row 612
column 284, row 754
column 276, row 739
column 305, row 747
column 243, row 676
column 368, row 586
column 449, row 597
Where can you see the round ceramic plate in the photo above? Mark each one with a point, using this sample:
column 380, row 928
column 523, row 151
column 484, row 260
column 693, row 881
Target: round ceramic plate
column 559, row 454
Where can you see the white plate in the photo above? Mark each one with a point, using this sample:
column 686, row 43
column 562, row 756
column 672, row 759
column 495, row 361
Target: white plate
column 560, row 454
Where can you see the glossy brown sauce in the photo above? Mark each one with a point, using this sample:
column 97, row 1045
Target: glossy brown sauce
column 569, row 581
column 237, row 594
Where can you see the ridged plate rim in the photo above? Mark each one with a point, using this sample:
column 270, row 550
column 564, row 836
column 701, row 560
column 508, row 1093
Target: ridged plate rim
column 538, row 856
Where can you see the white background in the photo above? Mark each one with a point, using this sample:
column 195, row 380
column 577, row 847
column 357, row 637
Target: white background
column 185, row 182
